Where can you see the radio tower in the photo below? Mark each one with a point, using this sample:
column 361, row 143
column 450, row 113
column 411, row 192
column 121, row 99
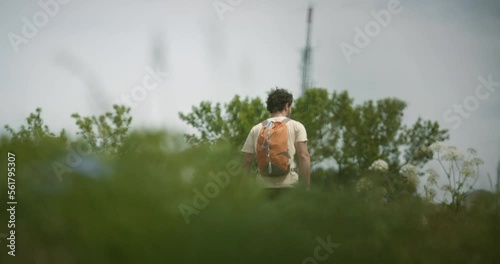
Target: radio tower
column 306, row 56
column 157, row 64
column 158, row 52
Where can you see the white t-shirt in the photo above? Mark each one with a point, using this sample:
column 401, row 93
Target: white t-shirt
column 296, row 133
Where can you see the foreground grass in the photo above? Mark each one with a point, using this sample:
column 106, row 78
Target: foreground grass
column 125, row 209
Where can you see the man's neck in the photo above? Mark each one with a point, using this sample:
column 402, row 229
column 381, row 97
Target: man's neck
column 279, row 114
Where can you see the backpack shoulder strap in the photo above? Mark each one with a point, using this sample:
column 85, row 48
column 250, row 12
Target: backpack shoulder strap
column 265, row 123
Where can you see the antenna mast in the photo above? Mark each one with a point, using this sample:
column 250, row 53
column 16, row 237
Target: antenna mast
column 306, row 56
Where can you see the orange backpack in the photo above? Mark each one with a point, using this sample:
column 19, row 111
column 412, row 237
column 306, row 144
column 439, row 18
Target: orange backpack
column 272, row 149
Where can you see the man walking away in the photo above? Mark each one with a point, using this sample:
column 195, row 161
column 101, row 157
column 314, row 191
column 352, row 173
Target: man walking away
column 274, row 143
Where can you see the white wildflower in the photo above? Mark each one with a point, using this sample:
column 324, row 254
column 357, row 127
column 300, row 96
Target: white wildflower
column 379, row 165
column 413, row 180
column 447, row 188
column 452, row 153
column 476, row 161
column 433, row 176
column 467, row 172
column 430, row 194
column 364, row 185
column 424, row 149
column 408, row 170
column 472, row 151
column 437, row 147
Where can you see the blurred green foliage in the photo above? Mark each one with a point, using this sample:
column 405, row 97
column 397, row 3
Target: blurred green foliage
column 122, row 206
column 132, row 216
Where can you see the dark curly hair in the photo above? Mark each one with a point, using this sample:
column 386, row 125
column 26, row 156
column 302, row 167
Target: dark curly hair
column 277, row 100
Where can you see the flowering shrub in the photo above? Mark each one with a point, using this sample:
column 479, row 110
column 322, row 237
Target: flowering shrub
column 364, row 185
column 461, row 172
column 381, row 182
column 409, row 173
column 379, row 165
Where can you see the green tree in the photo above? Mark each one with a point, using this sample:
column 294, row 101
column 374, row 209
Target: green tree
column 417, row 139
column 105, row 133
column 354, row 136
column 316, row 111
column 35, row 130
column 230, row 122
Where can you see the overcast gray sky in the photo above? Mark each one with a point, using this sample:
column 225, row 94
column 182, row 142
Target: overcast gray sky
column 89, row 53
